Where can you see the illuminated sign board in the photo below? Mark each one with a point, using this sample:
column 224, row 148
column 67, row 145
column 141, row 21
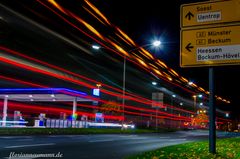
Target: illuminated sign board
column 214, row 12
column 210, row 46
column 96, row 92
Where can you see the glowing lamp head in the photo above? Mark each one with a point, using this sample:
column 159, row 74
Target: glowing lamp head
column 96, row 47
column 154, row 83
column 190, row 83
column 156, row 43
column 227, row 114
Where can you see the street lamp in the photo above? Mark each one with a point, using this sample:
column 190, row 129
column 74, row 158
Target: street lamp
column 159, row 98
column 154, row 83
column 180, row 121
column 194, row 102
column 156, row 43
column 173, row 96
column 227, row 115
column 96, row 47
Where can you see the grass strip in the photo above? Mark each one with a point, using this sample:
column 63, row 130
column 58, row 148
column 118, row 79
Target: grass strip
column 226, row 149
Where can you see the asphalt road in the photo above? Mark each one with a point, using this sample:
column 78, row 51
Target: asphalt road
column 106, row 146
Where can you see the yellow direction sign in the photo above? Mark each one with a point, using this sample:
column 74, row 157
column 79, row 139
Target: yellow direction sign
column 213, row 12
column 210, row 47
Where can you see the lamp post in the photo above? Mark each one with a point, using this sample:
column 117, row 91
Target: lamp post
column 156, row 43
column 194, row 102
column 180, row 122
column 172, row 97
column 156, row 119
column 123, row 89
column 155, row 97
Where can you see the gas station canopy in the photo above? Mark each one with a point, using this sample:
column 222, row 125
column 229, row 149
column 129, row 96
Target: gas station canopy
column 43, row 95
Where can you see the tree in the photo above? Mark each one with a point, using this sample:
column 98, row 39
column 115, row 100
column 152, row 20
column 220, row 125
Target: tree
column 200, row 120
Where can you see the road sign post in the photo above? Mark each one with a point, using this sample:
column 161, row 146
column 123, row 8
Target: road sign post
column 210, row 37
column 212, row 113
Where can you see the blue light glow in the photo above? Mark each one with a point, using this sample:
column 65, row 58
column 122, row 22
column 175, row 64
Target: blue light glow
column 38, row 90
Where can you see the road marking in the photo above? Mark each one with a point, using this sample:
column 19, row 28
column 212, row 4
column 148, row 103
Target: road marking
column 8, row 137
column 135, row 137
column 163, row 137
column 138, row 138
column 127, row 136
column 101, row 140
column 54, row 136
column 24, row 139
column 182, row 136
column 177, row 139
column 23, row 158
column 18, row 146
column 14, row 137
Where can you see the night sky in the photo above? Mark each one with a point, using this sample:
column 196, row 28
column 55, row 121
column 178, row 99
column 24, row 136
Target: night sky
column 143, row 21
column 146, row 20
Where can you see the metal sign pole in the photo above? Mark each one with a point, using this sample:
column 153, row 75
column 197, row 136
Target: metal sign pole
column 212, row 113
column 124, row 89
